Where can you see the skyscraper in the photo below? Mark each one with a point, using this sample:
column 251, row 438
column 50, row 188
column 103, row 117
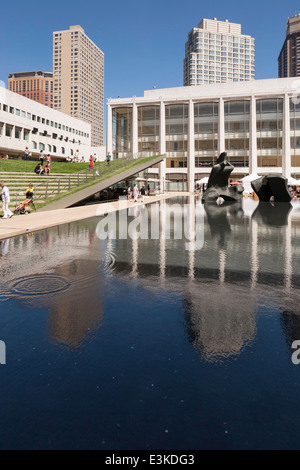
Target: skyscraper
column 217, row 52
column 289, row 57
column 36, row 85
column 78, row 74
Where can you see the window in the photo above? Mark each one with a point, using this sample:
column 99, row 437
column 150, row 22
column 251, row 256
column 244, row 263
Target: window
column 18, row 133
column 8, row 130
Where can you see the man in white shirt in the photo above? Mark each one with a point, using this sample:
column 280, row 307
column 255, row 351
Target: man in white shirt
column 5, row 201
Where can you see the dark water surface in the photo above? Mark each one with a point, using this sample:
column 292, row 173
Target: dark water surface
column 153, row 344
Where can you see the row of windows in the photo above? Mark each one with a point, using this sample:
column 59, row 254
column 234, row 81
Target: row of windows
column 33, row 117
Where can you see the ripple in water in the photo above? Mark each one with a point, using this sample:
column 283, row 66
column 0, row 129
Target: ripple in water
column 40, row 285
column 108, row 261
column 5, row 293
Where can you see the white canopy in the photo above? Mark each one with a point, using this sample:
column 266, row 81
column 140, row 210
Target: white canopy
column 293, row 182
column 203, row 180
column 249, row 178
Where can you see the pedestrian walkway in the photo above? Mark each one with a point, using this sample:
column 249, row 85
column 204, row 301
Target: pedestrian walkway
column 24, row 224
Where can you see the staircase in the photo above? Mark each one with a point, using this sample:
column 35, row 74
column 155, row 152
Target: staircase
column 17, row 184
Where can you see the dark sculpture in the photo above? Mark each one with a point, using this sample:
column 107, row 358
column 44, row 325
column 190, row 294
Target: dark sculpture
column 272, row 186
column 217, row 186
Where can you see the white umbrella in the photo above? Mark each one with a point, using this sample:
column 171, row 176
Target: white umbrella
column 293, row 182
column 249, row 178
column 203, row 180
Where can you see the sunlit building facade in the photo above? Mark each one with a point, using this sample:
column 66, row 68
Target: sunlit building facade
column 37, row 86
column 217, row 52
column 289, row 57
column 78, row 75
column 258, row 125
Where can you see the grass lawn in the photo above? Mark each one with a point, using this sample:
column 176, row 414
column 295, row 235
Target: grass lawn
column 22, row 166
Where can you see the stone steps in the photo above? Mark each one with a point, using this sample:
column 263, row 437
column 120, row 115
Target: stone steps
column 18, row 183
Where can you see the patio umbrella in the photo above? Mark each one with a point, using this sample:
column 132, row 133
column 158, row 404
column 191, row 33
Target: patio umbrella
column 293, row 182
column 203, row 180
column 249, row 178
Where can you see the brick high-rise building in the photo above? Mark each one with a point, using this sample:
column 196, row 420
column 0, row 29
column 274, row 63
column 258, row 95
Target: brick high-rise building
column 78, row 74
column 289, row 57
column 218, row 52
column 36, row 85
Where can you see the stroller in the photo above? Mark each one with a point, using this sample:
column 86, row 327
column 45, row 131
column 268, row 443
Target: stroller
column 21, row 208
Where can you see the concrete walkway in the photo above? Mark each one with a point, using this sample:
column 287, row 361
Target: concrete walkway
column 21, row 224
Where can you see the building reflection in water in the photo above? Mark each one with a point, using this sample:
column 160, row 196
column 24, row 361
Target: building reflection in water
column 221, row 284
column 57, row 270
column 79, row 312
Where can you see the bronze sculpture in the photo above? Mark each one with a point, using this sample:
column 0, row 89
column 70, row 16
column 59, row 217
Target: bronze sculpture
column 217, row 186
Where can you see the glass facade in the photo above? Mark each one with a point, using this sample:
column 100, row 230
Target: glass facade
column 295, row 132
column 122, row 132
column 148, row 130
column 237, row 118
column 206, row 134
column 235, row 133
column 269, row 132
column 177, row 122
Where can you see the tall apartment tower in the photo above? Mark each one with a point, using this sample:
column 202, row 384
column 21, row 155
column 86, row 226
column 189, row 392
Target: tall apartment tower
column 289, row 57
column 36, row 85
column 78, row 74
column 218, row 52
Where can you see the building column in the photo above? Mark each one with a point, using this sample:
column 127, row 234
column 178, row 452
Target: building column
column 221, row 128
column 253, row 137
column 191, row 149
column 109, row 130
column 162, row 146
column 135, row 145
column 286, row 138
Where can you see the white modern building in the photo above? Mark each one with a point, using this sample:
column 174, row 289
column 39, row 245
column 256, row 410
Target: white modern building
column 26, row 123
column 218, row 52
column 257, row 123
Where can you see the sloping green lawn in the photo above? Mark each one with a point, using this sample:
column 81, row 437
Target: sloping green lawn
column 22, row 166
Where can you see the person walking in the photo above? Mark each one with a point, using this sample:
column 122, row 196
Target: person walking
column 143, row 193
column 91, row 162
column 108, row 157
column 5, row 201
column 41, row 157
column 135, row 192
column 26, row 154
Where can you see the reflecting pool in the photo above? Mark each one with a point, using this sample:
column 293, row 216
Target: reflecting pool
column 140, row 343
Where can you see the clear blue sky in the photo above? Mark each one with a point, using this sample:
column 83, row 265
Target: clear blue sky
column 143, row 42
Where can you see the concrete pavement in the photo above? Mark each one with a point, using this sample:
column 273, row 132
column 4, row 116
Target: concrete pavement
column 21, row 224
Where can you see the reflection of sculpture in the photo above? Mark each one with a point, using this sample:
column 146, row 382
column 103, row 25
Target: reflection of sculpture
column 217, row 218
column 218, row 182
column 272, row 186
column 275, row 214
